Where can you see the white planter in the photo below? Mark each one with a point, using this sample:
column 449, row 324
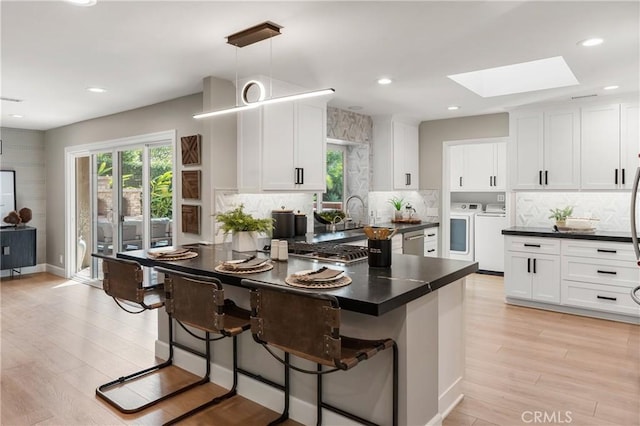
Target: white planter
column 244, row 241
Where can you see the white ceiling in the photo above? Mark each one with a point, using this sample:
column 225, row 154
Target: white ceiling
column 151, row 51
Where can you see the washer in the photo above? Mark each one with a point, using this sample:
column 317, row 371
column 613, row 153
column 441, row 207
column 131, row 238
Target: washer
column 462, row 230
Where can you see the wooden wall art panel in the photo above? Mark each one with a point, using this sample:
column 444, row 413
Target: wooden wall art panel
column 191, row 184
column 191, row 150
column 190, row 219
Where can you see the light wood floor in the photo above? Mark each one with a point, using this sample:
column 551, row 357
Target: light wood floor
column 61, row 339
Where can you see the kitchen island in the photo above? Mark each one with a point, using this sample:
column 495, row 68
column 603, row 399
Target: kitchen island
column 417, row 301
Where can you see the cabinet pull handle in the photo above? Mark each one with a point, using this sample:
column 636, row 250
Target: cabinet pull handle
column 408, row 178
column 460, row 181
column 607, row 298
column 622, row 176
column 528, row 265
column 616, row 179
column 540, row 177
column 299, row 178
column 546, row 177
column 431, row 251
column 534, row 266
column 296, row 176
column 495, row 181
column 490, row 180
column 607, row 251
column 531, row 245
column 431, row 235
column 607, row 272
column 301, row 175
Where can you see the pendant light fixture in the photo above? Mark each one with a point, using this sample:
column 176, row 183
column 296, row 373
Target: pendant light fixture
column 266, row 30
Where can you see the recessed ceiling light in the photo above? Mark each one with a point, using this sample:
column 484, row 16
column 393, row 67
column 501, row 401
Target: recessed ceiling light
column 453, row 107
column 83, row 2
column 354, row 107
column 542, row 74
column 384, row 81
column 590, row 42
column 96, row 89
column 610, row 87
column 17, row 116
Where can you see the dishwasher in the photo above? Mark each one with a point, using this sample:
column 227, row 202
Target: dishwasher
column 413, row 243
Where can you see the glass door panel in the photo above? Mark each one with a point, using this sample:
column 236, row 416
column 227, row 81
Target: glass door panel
column 131, row 224
column 161, row 194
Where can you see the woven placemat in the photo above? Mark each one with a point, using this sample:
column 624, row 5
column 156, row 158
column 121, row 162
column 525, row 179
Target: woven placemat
column 183, row 256
column 264, row 268
column 340, row 282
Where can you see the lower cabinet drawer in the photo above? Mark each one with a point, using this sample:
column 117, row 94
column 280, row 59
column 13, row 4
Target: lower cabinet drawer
column 599, row 297
column 600, row 271
column 431, row 249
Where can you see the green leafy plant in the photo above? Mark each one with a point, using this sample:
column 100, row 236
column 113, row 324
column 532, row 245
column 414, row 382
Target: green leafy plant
column 397, row 203
column 162, row 195
column 331, row 215
column 560, row 215
column 237, row 220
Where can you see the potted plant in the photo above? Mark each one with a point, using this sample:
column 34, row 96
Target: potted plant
column 243, row 227
column 561, row 215
column 397, row 204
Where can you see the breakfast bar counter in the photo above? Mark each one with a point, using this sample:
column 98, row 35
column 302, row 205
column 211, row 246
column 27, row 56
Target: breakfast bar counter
column 418, row 301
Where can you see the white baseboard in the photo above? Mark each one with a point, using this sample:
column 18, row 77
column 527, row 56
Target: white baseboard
column 261, row 393
column 448, row 400
column 26, row 270
column 56, row 270
column 435, row 421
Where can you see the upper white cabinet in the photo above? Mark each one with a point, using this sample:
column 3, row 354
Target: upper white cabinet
column 395, row 155
column 610, row 146
column 545, row 149
column 478, row 167
column 282, row 147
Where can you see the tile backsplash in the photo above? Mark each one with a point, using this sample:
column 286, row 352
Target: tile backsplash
column 260, row 205
column 426, row 203
column 612, row 208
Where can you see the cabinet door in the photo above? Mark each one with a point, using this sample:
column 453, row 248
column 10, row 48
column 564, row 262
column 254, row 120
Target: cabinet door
column 478, row 167
column 562, row 149
column 405, row 156
column 311, row 146
column 526, row 130
column 600, row 147
column 545, row 285
column 500, row 167
column 629, row 143
column 517, row 275
column 456, row 167
column 278, row 169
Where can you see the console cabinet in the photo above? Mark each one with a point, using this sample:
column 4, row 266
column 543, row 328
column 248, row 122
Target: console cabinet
column 17, row 247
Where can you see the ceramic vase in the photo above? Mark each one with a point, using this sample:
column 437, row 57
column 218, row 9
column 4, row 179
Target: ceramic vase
column 244, row 241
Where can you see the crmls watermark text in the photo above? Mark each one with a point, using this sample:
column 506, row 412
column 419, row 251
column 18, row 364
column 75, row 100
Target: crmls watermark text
column 546, row 417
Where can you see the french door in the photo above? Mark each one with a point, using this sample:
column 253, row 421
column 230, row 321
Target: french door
column 124, row 201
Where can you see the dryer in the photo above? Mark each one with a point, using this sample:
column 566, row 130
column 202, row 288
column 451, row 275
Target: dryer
column 462, row 230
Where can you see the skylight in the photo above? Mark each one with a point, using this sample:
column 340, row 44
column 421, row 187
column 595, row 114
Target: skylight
column 518, row 78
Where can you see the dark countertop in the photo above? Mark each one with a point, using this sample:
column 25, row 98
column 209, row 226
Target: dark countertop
column 373, row 291
column 358, row 234
column 611, row 236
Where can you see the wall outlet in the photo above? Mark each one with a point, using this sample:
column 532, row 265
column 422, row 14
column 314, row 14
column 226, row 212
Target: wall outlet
column 501, row 197
column 62, row 259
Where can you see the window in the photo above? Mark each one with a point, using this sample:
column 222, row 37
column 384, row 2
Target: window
column 333, row 198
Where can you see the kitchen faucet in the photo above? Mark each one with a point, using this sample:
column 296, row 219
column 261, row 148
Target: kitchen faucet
column 346, row 207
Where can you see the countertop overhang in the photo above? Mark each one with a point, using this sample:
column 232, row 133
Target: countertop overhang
column 373, row 291
column 611, row 236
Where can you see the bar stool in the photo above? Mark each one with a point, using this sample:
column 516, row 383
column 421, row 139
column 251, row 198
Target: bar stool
column 199, row 302
column 123, row 281
column 307, row 325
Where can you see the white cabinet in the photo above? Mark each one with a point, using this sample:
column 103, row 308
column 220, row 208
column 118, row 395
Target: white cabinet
column 545, row 149
column 610, row 145
column 396, row 244
column 478, row 167
column 532, row 274
column 579, row 274
column 395, row 155
column 282, row 147
column 431, row 242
